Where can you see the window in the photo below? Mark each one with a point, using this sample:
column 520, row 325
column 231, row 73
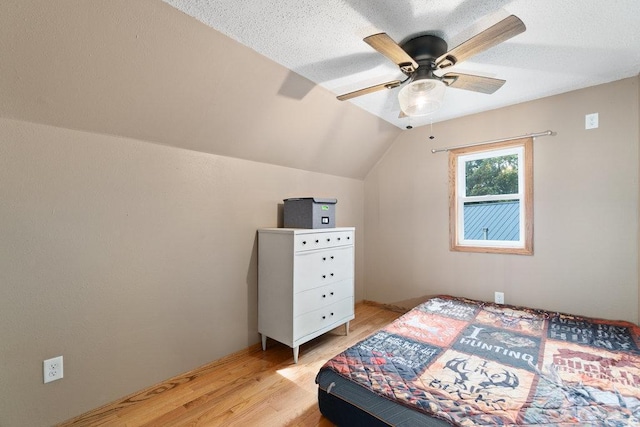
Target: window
column 491, row 198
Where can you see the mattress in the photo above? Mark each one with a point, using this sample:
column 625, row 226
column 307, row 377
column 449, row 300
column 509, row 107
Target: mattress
column 455, row 361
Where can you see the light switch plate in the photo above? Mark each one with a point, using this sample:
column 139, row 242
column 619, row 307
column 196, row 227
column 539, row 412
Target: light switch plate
column 591, row 121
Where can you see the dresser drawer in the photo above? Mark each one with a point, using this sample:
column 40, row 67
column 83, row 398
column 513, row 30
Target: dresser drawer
column 317, row 240
column 316, row 298
column 319, row 268
column 322, row 318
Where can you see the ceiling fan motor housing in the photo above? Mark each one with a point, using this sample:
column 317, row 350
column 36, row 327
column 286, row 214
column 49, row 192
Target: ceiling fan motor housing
column 425, row 47
column 425, row 50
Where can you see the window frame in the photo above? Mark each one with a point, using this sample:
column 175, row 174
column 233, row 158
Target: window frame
column 524, row 148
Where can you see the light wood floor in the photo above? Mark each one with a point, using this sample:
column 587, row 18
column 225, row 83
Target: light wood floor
column 248, row 388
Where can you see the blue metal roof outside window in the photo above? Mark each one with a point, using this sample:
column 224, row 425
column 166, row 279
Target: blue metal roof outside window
column 492, row 221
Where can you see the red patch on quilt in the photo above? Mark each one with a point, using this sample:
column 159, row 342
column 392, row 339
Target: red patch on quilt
column 426, row 327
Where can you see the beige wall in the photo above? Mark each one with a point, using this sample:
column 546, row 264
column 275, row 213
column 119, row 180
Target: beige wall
column 585, row 210
column 142, row 258
column 134, row 261
column 145, row 70
column 137, row 261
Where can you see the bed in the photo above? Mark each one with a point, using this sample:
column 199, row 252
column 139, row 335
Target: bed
column 456, row 361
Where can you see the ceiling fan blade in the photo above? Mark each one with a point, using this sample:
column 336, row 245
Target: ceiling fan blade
column 370, row 89
column 492, row 36
column 471, row 82
column 389, row 48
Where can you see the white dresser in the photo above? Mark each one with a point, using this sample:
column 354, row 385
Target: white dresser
column 305, row 283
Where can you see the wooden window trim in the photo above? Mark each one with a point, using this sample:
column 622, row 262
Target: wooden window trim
column 527, row 249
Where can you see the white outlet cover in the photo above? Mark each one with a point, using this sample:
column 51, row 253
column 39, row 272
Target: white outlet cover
column 53, row 369
column 591, row 121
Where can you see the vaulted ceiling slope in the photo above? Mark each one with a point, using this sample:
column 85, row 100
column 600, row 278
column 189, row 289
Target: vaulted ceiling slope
column 567, row 45
column 145, row 70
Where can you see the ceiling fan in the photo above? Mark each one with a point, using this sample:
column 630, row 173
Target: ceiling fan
column 421, row 56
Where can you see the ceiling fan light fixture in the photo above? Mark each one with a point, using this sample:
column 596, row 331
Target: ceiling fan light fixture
column 421, row 97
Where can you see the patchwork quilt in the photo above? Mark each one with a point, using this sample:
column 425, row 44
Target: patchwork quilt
column 474, row 363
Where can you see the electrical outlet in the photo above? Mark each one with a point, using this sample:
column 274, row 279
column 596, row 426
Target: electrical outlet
column 499, row 297
column 591, row 121
column 53, row 369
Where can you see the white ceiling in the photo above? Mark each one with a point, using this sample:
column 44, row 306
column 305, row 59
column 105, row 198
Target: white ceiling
column 568, row 44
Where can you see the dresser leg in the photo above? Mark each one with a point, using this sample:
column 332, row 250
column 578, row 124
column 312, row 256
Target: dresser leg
column 264, row 342
column 296, row 350
column 346, row 328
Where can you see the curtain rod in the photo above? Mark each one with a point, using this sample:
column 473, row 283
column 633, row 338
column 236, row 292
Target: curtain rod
column 529, row 135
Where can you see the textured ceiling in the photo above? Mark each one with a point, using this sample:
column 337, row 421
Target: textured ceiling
column 568, row 44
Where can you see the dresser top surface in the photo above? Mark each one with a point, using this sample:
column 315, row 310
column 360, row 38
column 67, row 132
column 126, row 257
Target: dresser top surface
column 304, row 230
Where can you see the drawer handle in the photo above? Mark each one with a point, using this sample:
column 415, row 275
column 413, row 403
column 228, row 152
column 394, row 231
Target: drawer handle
column 324, row 276
column 324, row 295
column 348, row 237
column 332, row 257
column 338, row 238
column 324, row 258
column 317, row 241
column 331, row 274
column 328, row 240
column 331, row 293
column 324, row 317
column 304, row 242
column 332, row 314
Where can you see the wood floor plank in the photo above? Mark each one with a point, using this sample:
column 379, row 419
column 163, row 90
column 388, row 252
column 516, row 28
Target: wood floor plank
column 251, row 387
